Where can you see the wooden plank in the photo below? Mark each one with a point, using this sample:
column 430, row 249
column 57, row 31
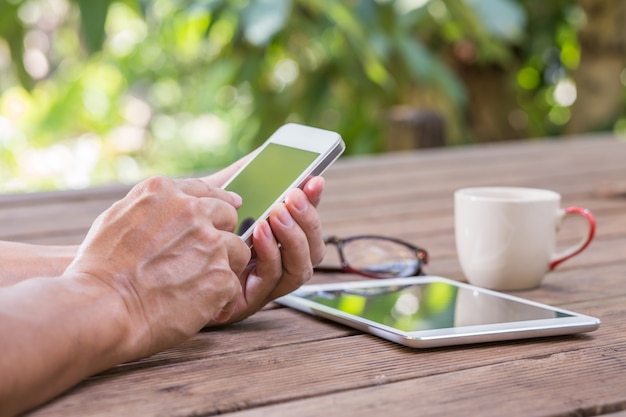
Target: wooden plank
column 547, row 385
column 582, row 150
column 431, row 166
column 270, row 328
column 28, row 223
column 395, row 188
column 449, row 267
column 263, row 376
column 110, row 192
column 51, row 216
column 609, row 223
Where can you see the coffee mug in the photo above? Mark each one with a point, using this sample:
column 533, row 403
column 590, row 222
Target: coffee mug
column 506, row 236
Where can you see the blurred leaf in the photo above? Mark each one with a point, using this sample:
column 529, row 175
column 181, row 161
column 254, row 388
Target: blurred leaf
column 359, row 40
column 504, row 19
column 425, row 66
column 13, row 31
column 252, row 65
column 262, row 19
column 93, row 14
column 61, row 115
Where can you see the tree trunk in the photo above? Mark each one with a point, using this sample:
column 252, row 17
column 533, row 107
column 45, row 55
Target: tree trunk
column 601, row 73
column 493, row 105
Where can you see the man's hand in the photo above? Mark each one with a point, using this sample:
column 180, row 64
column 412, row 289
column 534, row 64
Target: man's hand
column 154, row 269
column 167, row 249
column 285, row 251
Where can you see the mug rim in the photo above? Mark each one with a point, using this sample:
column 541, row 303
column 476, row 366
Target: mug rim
column 510, row 194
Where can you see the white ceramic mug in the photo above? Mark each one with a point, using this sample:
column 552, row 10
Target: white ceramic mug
column 506, row 236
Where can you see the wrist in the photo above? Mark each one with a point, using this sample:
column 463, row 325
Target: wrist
column 63, row 329
column 23, row 261
column 104, row 313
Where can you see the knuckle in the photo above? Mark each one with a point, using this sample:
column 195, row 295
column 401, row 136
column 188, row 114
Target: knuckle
column 316, row 226
column 189, row 206
column 319, row 256
column 303, row 273
column 209, row 236
column 230, row 285
column 307, row 273
column 157, row 183
column 231, row 217
column 234, row 286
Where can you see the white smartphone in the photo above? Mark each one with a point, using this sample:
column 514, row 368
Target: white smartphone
column 431, row 311
column 285, row 161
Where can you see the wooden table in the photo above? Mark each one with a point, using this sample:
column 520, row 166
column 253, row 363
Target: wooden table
column 283, row 363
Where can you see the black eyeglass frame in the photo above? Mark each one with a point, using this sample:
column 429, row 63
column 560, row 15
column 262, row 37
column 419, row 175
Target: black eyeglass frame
column 420, row 254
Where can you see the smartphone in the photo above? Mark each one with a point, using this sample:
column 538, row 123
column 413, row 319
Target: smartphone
column 432, row 311
column 285, row 161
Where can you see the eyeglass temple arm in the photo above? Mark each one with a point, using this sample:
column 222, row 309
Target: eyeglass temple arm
column 329, row 269
column 331, row 239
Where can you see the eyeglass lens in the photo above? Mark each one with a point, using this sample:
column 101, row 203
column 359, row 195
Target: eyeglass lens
column 381, row 257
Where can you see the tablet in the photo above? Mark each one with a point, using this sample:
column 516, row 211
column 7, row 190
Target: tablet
column 431, row 311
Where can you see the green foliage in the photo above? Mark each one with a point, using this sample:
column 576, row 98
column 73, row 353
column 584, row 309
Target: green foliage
column 546, row 60
column 93, row 17
column 103, row 90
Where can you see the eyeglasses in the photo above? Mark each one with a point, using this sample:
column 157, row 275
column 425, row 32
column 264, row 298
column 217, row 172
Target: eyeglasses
column 376, row 257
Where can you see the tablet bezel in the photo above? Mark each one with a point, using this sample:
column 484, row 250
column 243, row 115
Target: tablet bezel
column 576, row 323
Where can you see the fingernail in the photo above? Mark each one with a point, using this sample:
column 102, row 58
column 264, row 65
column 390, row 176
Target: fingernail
column 301, row 203
column 284, row 216
column 238, row 200
column 222, row 316
column 265, row 230
column 321, row 182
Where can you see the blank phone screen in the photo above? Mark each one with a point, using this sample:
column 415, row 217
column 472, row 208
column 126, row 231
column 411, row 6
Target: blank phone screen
column 265, row 179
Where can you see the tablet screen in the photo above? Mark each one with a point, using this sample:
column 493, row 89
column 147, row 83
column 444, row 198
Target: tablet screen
column 428, row 306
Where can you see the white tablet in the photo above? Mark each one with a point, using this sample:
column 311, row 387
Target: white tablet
column 430, row 311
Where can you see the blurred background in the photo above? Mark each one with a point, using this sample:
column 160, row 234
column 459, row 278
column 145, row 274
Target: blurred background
column 105, row 91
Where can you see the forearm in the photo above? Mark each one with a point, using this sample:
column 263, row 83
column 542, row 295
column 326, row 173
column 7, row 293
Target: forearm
column 21, row 261
column 55, row 333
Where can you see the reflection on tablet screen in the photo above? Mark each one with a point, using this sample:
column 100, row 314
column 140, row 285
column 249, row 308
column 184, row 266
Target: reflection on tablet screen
column 429, row 306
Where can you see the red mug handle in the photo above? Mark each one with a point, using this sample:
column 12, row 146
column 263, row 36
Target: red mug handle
column 576, row 249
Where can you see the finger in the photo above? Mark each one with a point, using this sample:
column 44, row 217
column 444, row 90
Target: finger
column 238, row 253
column 218, row 178
column 294, row 249
column 267, row 251
column 197, row 187
column 307, row 218
column 227, row 311
column 238, row 258
column 263, row 273
column 313, row 189
column 268, row 267
column 204, row 213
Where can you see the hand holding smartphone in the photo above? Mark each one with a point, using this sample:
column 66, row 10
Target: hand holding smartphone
column 285, row 161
